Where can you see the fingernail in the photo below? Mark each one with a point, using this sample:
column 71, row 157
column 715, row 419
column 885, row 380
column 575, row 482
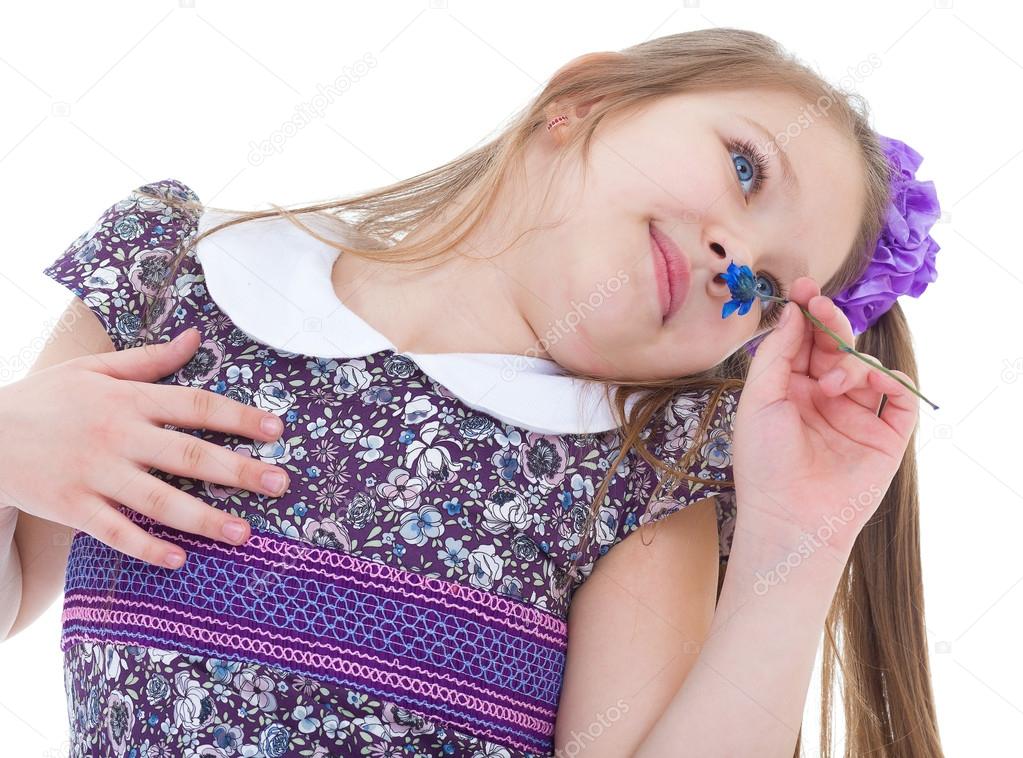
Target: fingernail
column 274, row 482
column 272, row 425
column 182, row 335
column 838, row 376
column 175, row 559
column 234, row 531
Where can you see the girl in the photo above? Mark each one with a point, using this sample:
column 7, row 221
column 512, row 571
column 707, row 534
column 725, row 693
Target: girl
column 465, row 468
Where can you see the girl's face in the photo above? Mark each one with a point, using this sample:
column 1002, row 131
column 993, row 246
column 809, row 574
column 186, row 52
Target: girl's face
column 683, row 165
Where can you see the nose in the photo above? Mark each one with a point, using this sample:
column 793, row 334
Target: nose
column 716, row 285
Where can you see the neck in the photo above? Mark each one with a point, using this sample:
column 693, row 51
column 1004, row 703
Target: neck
column 468, row 303
column 477, row 298
column 453, row 308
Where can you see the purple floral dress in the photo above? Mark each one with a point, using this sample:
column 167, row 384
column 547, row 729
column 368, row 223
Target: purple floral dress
column 399, row 599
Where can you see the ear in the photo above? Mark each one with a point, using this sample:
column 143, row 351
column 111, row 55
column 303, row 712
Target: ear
column 576, row 68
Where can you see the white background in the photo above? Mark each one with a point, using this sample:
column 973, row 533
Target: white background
column 99, row 98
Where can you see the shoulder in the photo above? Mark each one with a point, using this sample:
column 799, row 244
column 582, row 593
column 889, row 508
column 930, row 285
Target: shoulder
column 691, row 432
column 126, row 256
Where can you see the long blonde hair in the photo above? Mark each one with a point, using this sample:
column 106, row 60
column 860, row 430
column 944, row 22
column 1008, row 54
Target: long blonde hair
column 878, row 607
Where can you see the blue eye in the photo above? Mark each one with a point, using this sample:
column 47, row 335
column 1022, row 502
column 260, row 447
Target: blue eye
column 771, row 311
column 750, row 164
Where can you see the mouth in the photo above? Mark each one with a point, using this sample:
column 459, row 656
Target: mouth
column 672, row 271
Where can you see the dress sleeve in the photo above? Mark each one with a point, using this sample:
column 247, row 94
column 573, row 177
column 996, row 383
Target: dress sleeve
column 125, row 259
column 671, row 435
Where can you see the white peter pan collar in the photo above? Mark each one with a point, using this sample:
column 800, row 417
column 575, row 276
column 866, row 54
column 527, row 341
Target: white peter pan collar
column 274, row 282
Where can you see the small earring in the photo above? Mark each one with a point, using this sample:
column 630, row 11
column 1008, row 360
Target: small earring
column 556, row 121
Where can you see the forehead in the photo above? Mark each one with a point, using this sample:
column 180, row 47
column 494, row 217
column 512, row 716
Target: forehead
column 821, row 223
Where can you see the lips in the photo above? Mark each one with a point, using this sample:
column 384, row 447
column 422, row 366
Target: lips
column 672, row 271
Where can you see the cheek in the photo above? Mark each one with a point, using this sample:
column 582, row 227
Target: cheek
column 603, row 305
column 715, row 338
column 705, row 177
column 595, row 324
column 600, row 270
column 737, row 329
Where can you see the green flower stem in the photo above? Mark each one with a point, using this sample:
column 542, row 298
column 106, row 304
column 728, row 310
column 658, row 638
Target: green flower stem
column 851, row 350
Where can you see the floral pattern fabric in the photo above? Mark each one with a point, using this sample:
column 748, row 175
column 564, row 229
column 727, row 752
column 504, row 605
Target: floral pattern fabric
column 386, row 465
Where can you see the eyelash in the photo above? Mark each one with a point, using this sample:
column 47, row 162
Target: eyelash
column 773, row 311
column 752, row 153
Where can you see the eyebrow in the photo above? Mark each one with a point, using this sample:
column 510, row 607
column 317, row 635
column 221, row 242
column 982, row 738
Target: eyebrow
column 790, row 182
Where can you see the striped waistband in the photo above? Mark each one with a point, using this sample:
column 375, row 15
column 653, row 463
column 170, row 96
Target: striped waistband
column 483, row 663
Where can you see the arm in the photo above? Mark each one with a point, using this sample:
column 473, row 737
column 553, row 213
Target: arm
column 635, row 628
column 757, row 662
column 10, row 568
column 128, row 421
column 37, row 558
column 804, row 452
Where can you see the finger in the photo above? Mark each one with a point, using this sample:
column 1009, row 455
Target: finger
column 866, row 384
column 186, row 455
column 772, row 366
column 826, row 353
column 103, row 521
column 803, row 290
column 859, row 421
column 162, row 502
column 902, row 408
column 146, row 363
column 196, row 408
column 849, row 375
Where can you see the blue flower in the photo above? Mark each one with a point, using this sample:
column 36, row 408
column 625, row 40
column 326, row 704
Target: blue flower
column 566, row 500
column 355, row 698
column 507, row 463
column 222, row 670
column 274, row 740
column 307, row 723
column 419, row 527
column 453, row 553
column 743, row 287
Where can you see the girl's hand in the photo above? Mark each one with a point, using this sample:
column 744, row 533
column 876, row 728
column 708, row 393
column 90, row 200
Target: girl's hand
column 82, row 436
column 810, row 452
